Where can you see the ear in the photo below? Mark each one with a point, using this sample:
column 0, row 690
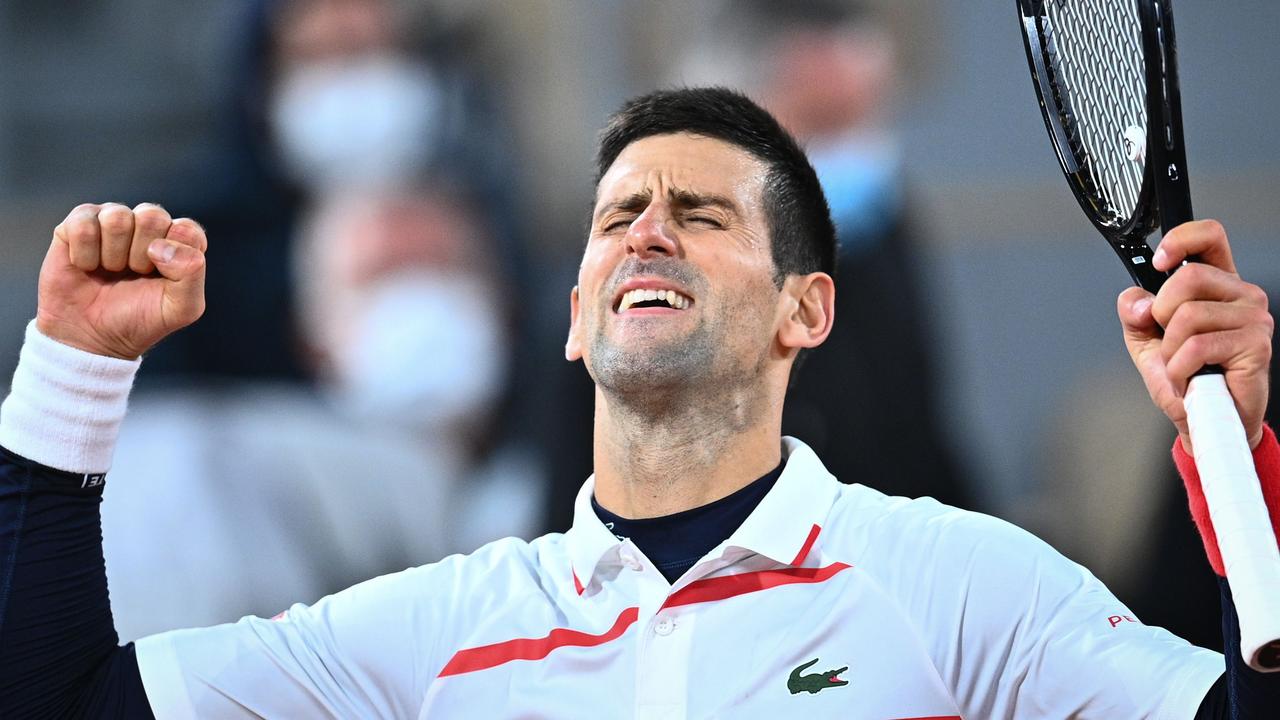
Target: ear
column 573, row 346
column 808, row 310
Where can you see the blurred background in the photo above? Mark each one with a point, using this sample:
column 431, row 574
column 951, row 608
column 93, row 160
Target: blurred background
column 396, row 195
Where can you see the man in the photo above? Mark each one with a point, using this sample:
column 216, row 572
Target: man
column 749, row 583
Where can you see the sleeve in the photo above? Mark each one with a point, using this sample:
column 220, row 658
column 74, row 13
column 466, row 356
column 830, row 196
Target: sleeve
column 58, row 648
column 1017, row 630
column 367, row 651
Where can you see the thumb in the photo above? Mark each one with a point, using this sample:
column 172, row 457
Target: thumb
column 1134, row 308
column 184, row 266
column 1142, row 336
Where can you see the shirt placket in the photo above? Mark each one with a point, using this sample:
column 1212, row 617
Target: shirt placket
column 663, row 640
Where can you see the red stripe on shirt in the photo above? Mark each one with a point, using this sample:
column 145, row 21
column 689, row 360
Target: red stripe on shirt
column 808, row 545
column 487, row 656
column 720, row 588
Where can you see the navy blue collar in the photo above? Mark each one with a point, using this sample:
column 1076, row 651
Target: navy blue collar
column 673, row 543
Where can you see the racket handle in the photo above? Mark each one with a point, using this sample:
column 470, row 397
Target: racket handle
column 1240, row 520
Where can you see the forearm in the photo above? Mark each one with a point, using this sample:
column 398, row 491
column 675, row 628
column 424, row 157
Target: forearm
column 1245, row 693
column 58, row 646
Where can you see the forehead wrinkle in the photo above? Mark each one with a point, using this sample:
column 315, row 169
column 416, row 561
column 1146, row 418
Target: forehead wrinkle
column 679, row 197
column 634, row 201
column 694, row 199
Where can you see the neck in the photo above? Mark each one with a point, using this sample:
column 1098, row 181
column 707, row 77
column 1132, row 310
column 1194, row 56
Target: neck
column 658, row 457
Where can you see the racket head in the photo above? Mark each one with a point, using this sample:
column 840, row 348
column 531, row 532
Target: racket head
column 1088, row 66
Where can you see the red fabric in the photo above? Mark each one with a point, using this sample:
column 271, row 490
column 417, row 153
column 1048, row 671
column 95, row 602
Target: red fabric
column 808, row 545
column 487, row 656
column 727, row 586
column 1266, row 459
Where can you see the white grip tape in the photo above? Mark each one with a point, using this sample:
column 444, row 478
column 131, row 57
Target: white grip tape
column 1245, row 536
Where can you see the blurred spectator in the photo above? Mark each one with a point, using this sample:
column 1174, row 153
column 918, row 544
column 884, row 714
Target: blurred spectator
column 330, row 93
column 404, row 269
column 865, row 400
column 403, row 310
column 259, row 495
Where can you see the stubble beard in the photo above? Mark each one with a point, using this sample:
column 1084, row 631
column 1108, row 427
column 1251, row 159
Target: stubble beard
column 660, row 374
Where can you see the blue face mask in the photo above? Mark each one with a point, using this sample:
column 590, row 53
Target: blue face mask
column 860, row 177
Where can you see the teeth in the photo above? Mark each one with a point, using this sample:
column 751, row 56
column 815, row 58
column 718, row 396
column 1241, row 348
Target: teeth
column 670, row 297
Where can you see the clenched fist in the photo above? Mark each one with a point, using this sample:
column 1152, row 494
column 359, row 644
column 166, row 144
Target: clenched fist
column 1210, row 317
column 116, row 281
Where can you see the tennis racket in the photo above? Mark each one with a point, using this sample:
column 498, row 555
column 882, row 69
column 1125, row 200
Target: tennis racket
column 1106, row 74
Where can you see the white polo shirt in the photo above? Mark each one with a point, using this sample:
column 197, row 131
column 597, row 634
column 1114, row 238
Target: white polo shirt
column 923, row 611
column 830, row 601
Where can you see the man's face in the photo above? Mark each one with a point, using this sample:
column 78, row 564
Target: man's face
column 680, row 217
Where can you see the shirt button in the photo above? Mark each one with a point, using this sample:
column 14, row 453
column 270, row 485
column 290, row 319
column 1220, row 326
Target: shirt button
column 664, row 626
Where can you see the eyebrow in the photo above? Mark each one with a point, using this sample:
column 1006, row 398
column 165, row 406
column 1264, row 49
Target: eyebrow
column 685, row 199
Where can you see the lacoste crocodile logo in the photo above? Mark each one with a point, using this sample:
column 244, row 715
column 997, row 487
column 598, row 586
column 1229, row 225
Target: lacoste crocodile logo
column 814, row 682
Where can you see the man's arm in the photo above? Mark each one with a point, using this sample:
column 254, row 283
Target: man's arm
column 58, row 648
column 1204, row 315
column 114, row 282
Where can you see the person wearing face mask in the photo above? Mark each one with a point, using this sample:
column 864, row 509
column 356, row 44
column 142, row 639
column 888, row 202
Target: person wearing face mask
column 328, row 94
column 299, row 492
column 390, row 277
column 388, row 457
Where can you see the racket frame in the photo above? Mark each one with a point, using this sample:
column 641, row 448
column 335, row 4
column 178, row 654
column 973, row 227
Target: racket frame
column 1128, row 239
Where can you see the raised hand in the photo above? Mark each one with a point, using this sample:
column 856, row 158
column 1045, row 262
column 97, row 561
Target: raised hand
column 117, row 280
column 1210, row 317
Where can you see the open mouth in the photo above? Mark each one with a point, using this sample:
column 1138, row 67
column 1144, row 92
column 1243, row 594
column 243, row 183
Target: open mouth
column 641, row 298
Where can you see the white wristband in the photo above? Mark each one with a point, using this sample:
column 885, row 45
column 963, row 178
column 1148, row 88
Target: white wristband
column 65, row 406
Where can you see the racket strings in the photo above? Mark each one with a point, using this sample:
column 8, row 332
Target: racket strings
column 1098, row 62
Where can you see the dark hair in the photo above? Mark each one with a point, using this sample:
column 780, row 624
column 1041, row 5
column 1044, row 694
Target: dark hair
column 802, row 236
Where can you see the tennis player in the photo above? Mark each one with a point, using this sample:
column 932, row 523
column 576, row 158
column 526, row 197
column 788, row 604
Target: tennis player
column 714, row 569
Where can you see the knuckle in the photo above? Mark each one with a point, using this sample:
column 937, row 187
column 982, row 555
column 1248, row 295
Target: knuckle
column 188, row 231
column 82, row 232
column 152, row 216
column 1215, row 228
column 1197, row 345
column 1255, row 295
column 1193, row 273
column 1265, row 323
column 115, row 218
column 1192, row 314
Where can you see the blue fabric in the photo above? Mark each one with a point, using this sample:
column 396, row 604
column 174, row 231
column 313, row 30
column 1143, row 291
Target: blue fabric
column 673, row 543
column 1250, row 695
column 59, row 652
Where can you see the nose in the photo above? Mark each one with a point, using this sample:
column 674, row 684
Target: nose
column 652, row 234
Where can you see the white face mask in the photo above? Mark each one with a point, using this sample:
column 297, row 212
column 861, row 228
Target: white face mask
column 368, row 121
column 428, row 350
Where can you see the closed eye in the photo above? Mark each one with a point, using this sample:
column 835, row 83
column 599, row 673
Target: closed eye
column 705, row 220
column 621, row 223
